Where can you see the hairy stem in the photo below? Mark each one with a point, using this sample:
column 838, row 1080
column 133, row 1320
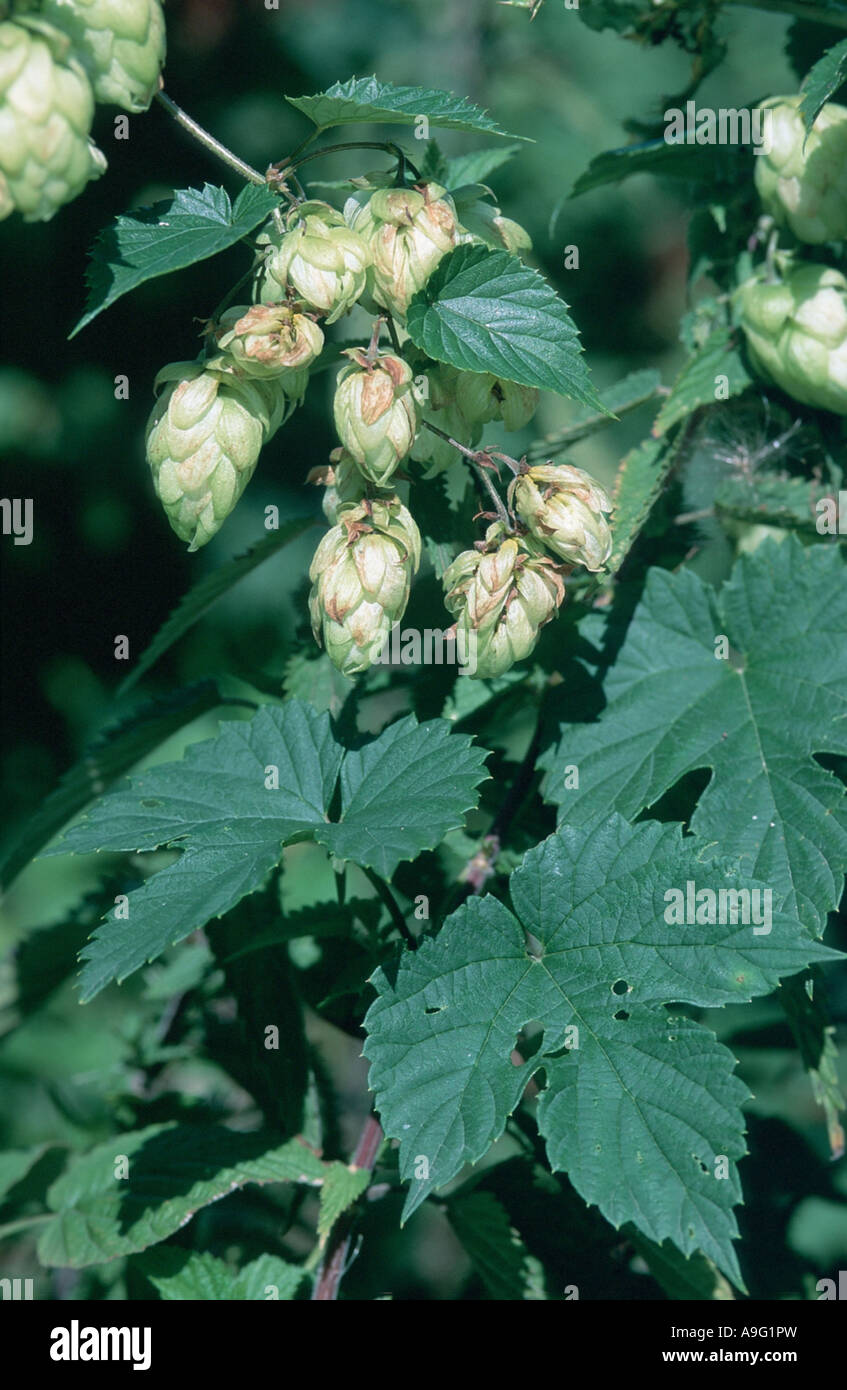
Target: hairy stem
column 474, row 456
column 336, row 1259
column 208, row 140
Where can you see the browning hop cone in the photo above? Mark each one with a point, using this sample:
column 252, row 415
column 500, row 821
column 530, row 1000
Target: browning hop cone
column 407, row 230
column 564, row 507
column 361, row 574
column 377, row 412
column 269, row 340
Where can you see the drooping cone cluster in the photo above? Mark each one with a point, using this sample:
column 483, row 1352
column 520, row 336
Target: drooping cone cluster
column 56, row 58
column 120, row 43
column 564, row 507
column 501, row 595
column 802, row 181
column 377, row 412
column 407, row 230
column 361, row 573
column 204, row 437
column 46, row 110
column 319, row 257
column 796, row 332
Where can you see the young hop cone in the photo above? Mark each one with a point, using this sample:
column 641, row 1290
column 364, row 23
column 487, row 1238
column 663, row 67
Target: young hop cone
column 204, row 437
column 270, row 340
column 319, row 257
column 483, row 223
column 377, row 412
column 563, row 508
column 441, row 408
column 361, row 574
column 46, row 109
column 802, row 181
column 407, row 230
column 482, row 397
column 120, row 43
column 501, row 595
column 796, row 332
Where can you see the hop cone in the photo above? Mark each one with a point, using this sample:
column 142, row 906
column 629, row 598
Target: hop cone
column 407, row 230
column 120, row 43
column 46, row 108
column 563, row 508
column 803, row 182
column 319, row 256
column 501, row 596
column 204, row 437
column 360, row 574
column 796, row 331
column 377, row 412
column 270, row 340
column 482, row 397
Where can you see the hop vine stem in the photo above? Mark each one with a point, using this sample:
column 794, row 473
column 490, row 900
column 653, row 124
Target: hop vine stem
column 205, row 138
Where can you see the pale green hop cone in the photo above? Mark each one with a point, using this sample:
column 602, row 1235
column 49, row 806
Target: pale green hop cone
column 802, row 181
column 46, row 109
column 318, row 257
column 796, row 332
column 204, row 437
column 121, row 44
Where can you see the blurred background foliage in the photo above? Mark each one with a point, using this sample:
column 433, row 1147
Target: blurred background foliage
column 103, row 561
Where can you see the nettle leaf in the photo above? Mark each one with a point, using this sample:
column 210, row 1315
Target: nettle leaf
column 710, row 164
column 194, row 1275
column 189, row 227
column 172, row 1172
column 638, row 486
column 485, row 311
column 637, row 1105
column 756, row 720
column 216, row 804
column 402, row 793
column 715, row 372
column 496, row 1251
column 823, row 81
column 476, row 166
column 341, row 1187
column 235, row 801
column 366, row 99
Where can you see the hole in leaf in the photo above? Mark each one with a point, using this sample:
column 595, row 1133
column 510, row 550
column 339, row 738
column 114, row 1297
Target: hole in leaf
column 151, row 804
column 439, row 1009
column 622, row 1015
column 620, row 987
column 527, row 1043
column 679, row 802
